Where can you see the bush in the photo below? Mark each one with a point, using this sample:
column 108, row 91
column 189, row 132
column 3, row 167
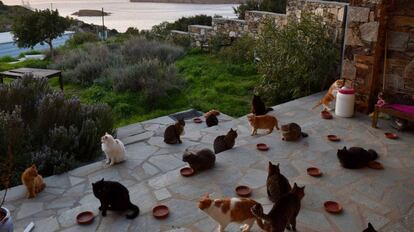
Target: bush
column 81, row 38
column 297, row 60
column 241, row 51
column 45, row 127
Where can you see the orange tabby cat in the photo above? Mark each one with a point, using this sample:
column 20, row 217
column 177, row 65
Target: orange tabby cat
column 227, row 210
column 330, row 95
column 33, row 181
column 262, row 122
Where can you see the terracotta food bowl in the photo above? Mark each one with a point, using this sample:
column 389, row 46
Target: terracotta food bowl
column 391, row 135
column 312, row 171
column 160, row 211
column 262, row 147
column 333, row 138
column 332, row 207
column 197, row 120
column 85, row 218
column 243, row 191
column 326, row 115
column 187, row 171
column 375, row 165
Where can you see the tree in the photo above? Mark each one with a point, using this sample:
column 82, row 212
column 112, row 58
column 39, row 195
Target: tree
column 41, row 26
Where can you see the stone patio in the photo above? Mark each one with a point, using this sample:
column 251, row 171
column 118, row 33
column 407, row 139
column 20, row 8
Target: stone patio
column 383, row 197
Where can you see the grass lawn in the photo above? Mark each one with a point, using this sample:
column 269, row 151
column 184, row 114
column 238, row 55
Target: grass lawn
column 210, row 83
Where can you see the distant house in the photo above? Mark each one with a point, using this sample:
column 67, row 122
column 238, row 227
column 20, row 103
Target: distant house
column 9, row 48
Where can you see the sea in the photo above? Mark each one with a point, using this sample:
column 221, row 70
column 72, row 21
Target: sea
column 126, row 14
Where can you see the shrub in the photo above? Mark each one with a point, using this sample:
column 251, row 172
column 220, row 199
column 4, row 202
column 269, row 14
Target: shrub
column 55, row 132
column 296, row 60
column 81, row 38
column 240, row 51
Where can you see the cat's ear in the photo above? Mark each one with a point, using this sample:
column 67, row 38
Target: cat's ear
column 270, row 163
column 207, row 195
column 370, row 226
column 102, row 180
column 295, row 185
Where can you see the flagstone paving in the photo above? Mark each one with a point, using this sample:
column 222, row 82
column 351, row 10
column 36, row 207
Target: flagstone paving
column 383, row 197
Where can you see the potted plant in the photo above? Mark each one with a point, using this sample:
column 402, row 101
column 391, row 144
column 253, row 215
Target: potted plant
column 6, row 221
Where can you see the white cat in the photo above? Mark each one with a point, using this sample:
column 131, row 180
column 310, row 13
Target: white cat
column 114, row 149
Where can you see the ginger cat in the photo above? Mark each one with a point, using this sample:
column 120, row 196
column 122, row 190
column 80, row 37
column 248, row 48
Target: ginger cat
column 330, row 95
column 33, row 181
column 262, row 122
column 228, row 210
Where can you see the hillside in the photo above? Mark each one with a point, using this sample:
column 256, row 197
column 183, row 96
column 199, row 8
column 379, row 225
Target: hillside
column 8, row 13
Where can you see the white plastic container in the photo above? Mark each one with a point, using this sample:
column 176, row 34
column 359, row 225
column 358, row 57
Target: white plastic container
column 345, row 102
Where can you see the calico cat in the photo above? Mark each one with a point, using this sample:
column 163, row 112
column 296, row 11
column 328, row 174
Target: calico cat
column 33, row 181
column 172, row 133
column 211, row 120
column 228, row 210
column 114, row 196
column 114, row 149
column 330, row 95
column 200, row 160
column 225, row 142
column 370, row 228
column 277, row 184
column 356, row 157
column 283, row 214
column 262, row 122
column 292, row 132
column 258, row 106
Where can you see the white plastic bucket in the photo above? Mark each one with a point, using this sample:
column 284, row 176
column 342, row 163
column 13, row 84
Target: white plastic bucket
column 345, row 102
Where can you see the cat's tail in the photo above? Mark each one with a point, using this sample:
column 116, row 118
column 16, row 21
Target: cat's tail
column 374, row 154
column 304, row 135
column 318, row 104
column 269, row 109
column 257, row 211
column 133, row 214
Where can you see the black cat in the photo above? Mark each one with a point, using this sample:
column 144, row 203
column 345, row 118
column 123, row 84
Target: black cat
column 114, row 196
column 200, row 160
column 356, row 157
column 370, row 228
column 258, row 106
column 211, row 120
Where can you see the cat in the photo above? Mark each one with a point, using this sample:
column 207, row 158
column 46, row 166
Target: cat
column 114, row 149
column 200, row 160
column 225, row 142
column 212, row 112
column 228, row 210
column 277, row 184
column 258, row 106
column 370, row 228
column 172, row 133
column 330, row 95
column 356, row 157
column 262, row 122
column 292, row 132
column 114, row 196
column 211, row 120
column 33, row 181
column 283, row 213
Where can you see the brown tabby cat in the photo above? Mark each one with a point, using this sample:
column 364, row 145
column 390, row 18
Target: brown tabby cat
column 33, row 181
column 172, row 133
column 330, row 95
column 283, row 214
column 225, row 142
column 277, row 184
column 292, row 132
column 262, row 122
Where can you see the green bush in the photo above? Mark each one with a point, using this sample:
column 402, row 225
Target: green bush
column 296, row 60
column 241, row 50
column 47, row 128
column 81, row 38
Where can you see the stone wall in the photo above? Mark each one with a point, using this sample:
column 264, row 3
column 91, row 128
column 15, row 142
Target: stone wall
column 399, row 70
column 255, row 20
column 230, row 27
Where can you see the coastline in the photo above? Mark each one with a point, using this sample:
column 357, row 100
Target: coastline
column 193, row 1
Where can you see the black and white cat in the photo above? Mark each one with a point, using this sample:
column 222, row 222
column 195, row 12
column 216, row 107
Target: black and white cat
column 114, row 196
